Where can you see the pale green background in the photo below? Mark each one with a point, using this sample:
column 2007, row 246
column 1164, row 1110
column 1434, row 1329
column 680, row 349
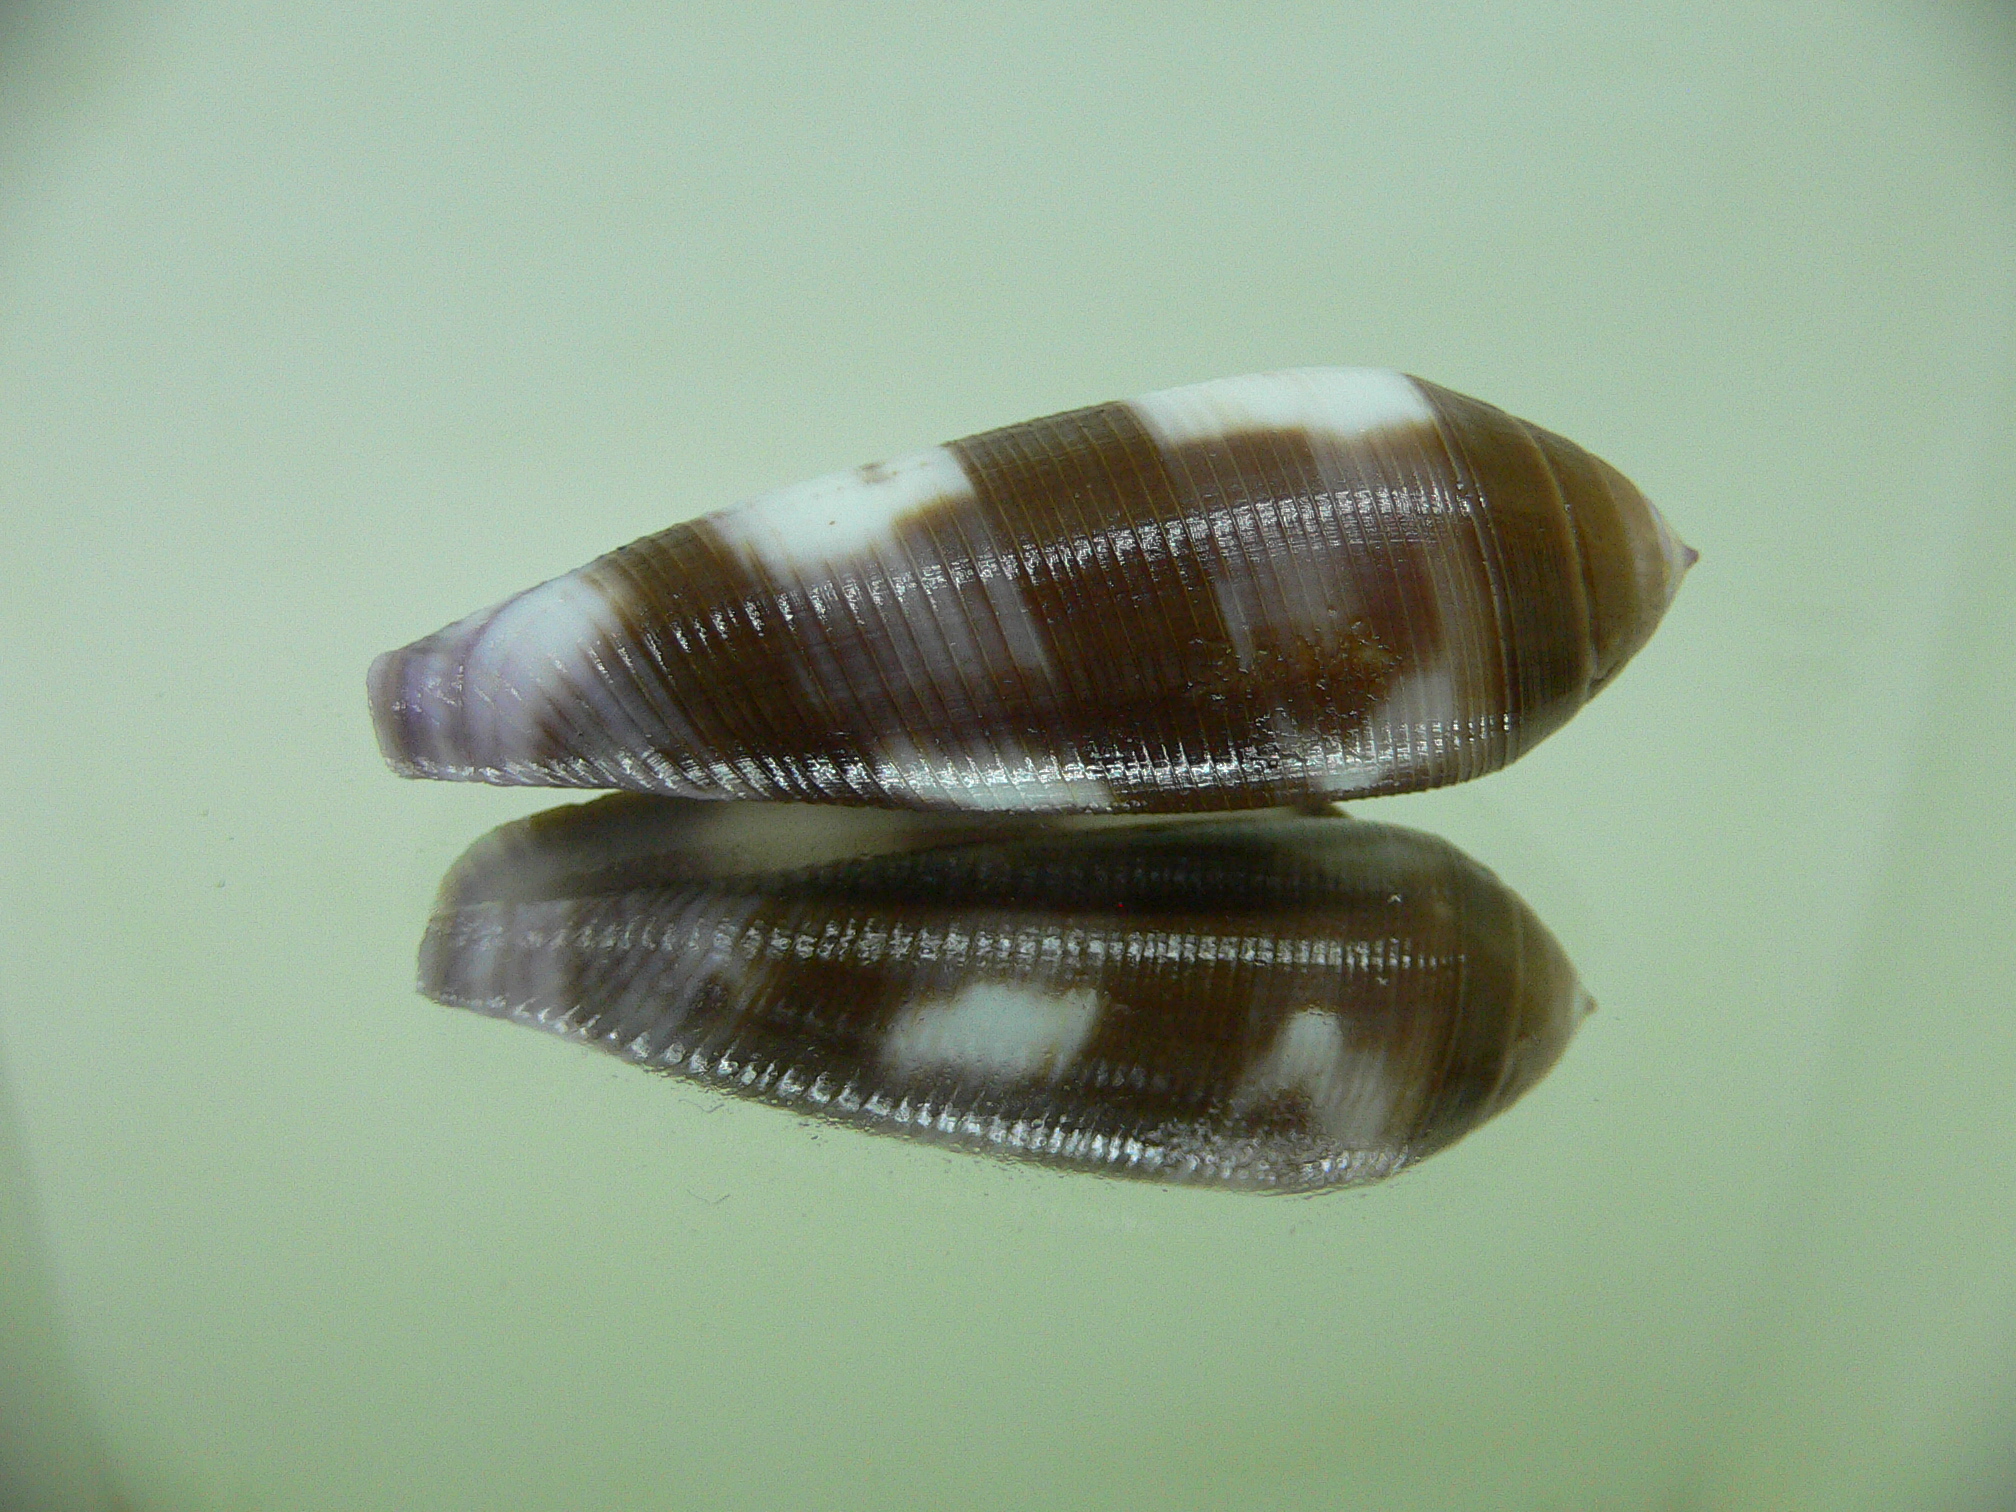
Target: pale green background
column 321, row 325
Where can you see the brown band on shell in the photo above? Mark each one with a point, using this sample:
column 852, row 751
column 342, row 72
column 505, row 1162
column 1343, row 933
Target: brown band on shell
column 1132, row 629
column 719, row 659
column 1341, row 607
column 1533, row 560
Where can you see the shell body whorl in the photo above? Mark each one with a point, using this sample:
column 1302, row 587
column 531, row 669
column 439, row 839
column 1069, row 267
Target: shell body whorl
column 1324, row 583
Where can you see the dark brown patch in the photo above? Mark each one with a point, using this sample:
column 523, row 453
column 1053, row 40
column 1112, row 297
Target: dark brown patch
column 730, row 652
column 1342, row 618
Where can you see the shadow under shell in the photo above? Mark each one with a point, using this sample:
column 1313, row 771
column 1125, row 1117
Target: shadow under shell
column 1281, row 1002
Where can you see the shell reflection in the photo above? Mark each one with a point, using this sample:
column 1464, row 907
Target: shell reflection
column 1278, row 1002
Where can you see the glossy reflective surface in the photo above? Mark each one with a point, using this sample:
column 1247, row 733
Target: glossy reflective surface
column 1283, row 1003
column 322, row 327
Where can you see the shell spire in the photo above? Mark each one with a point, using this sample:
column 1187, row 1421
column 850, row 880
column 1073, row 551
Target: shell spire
column 1323, row 583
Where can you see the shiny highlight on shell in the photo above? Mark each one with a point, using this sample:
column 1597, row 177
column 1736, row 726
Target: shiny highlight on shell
column 1270, row 1002
column 1313, row 584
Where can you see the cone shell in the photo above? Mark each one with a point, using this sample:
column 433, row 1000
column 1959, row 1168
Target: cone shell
column 1322, row 583
column 1270, row 1002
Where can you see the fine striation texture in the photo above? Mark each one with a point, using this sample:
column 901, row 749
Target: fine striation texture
column 1270, row 1002
column 1310, row 584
